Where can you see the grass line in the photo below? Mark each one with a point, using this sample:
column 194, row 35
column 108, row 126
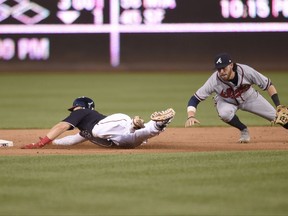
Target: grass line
column 213, row 183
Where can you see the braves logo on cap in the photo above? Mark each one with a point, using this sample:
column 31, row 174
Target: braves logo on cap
column 222, row 60
column 219, row 61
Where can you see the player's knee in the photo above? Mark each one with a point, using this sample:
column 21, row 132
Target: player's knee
column 226, row 115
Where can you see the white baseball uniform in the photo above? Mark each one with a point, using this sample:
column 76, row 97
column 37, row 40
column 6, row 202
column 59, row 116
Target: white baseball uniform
column 117, row 128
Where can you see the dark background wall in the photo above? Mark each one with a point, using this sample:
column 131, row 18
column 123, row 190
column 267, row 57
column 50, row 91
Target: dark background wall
column 156, row 51
column 266, row 51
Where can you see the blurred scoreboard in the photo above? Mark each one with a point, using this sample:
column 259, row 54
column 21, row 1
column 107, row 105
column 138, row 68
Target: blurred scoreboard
column 42, row 30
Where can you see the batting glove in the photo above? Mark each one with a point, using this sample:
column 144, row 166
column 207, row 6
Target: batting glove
column 43, row 141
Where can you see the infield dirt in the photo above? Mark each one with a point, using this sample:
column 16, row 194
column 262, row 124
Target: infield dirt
column 194, row 139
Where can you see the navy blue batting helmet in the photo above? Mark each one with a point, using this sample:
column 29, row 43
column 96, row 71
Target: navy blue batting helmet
column 84, row 102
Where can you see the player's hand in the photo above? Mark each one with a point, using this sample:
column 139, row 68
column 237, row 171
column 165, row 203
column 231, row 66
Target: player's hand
column 33, row 145
column 191, row 121
column 43, row 141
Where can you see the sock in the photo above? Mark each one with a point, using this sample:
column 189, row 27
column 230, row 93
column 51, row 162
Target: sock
column 235, row 122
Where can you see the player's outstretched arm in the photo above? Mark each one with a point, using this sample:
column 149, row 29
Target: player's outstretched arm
column 191, row 111
column 54, row 132
column 191, row 120
column 272, row 92
column 69, row 140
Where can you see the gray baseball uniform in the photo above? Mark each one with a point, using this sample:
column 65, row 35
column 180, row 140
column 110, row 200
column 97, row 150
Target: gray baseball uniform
column 232, row 84
column 230, row 97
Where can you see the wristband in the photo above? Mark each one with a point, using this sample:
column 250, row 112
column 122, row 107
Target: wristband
column 45, row 140
column 275, row 99
column 191, row 108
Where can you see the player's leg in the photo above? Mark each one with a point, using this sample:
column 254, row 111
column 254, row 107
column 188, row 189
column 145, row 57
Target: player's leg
column 132, row 140
column 227, row 113
column 117, row 128
column 112, row 125
column 259, row 106
column 154, row 127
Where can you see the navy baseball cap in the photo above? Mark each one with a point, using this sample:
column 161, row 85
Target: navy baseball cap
column 222, row 60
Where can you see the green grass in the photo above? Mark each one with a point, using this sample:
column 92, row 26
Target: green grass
column 226, row 183
column 215, row 183
column 40, row 100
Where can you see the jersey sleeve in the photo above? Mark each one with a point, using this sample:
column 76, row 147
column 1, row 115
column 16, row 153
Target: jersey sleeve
column 258, row 79
column 74, row 118
column 207, row 89
column 193, row 102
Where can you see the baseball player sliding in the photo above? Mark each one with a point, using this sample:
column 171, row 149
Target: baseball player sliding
column 232, row 84
column 116, row 130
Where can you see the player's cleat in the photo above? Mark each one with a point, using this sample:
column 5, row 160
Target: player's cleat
column 138, row 123
column 244, row 137
column 163, row 118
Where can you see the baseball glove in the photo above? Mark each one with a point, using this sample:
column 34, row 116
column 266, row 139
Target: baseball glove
column 281, row 115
